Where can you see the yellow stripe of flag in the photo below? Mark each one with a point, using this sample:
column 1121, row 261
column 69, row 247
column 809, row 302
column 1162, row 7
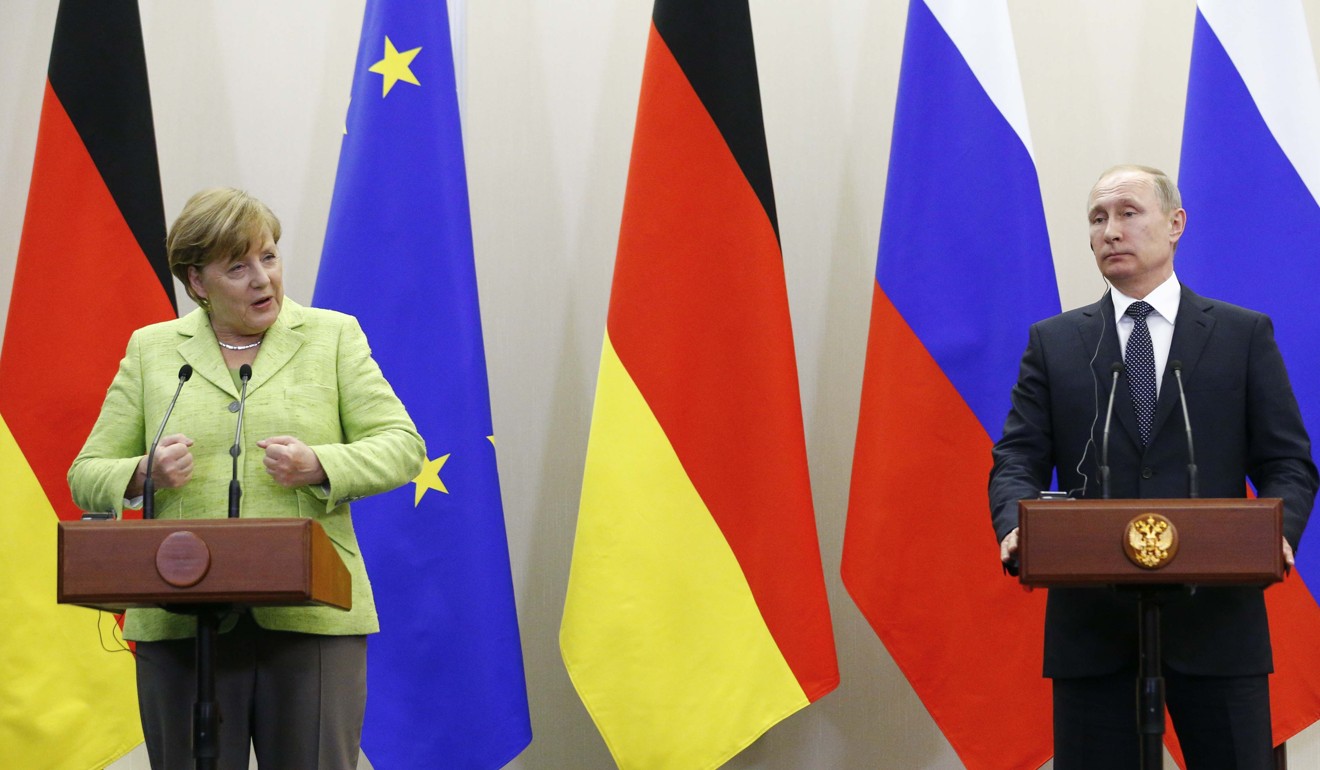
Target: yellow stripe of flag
column 661, row 635
column 68, row 703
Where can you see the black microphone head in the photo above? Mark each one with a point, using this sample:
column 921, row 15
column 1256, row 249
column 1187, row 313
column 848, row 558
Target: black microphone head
column 245, row 372
column 185, row 372
column 1116, row 367
column 1176, row 365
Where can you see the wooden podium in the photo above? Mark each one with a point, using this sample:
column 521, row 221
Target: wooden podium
column 1151, row 547
column 202, row 567
column 114, row 565
column 1229, row 541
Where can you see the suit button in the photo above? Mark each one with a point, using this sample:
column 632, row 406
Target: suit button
column 233, row 406
column 1147, row 473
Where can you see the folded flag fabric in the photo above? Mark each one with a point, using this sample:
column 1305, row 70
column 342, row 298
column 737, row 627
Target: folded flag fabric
column 445, row 674
column 1250, row 181
column 958, row 282
column 696, row 616
column 90, row 269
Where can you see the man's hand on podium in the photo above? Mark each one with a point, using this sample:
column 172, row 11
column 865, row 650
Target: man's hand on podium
column 1008, row 547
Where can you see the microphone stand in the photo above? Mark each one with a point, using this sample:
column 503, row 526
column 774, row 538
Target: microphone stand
column 1193, row 490
column 1150, row 685
column 236, row 491
column 206, row 710
column 149, row 484
column 1150, row 681
column 1104, row 442
column 1150, row 693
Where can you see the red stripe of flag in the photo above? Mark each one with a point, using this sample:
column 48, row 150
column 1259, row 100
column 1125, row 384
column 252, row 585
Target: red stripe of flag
column 963, row 634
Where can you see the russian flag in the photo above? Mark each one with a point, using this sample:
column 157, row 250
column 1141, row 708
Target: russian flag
column 964, row 268
column 1250, row 179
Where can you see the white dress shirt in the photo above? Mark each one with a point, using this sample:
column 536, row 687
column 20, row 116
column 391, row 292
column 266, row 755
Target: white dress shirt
column 1165, row 298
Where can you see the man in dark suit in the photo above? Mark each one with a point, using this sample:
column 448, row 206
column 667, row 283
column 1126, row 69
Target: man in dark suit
column 1216, row 640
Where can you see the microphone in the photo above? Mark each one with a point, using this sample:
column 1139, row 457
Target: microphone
column 1109, row 417
column 235, row 491
column 1192, row 487
column 149, row 485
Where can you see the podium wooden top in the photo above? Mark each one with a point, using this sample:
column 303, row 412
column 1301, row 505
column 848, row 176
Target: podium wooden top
column 114, row 565
column 1220, row 542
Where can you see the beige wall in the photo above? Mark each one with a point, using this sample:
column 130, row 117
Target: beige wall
column 252, row 93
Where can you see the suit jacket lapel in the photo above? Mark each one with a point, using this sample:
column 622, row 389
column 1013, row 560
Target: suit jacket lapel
column 1100, row 339
column 282, row 340
column 202, row 352
column 1191, row 331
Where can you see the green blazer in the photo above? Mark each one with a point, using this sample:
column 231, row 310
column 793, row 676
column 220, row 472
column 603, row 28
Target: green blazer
column 313, row 379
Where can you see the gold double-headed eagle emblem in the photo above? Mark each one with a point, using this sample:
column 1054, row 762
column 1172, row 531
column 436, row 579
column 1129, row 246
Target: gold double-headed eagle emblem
column 1150, row 541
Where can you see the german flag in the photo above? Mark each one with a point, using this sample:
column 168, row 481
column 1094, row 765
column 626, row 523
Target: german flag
column 696, row 615
column 91, row 268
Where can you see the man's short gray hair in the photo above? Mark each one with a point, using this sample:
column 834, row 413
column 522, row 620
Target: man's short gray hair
column 1165, row 189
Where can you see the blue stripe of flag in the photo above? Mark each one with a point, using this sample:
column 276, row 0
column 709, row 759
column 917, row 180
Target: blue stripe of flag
column 964, row 252
column 445, row 675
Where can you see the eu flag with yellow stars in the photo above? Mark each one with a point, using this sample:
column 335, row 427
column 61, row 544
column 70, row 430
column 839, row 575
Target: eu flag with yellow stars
column 445, row 677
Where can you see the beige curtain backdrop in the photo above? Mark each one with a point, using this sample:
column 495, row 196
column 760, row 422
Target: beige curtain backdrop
column 252, row 93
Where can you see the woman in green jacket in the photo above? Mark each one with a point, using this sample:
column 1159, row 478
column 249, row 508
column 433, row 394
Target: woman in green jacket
column 321, row 428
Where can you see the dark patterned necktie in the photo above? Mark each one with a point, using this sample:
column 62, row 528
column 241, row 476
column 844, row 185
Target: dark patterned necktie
column 1140, row 362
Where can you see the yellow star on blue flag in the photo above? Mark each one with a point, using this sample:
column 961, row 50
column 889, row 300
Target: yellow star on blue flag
column 429, row 479
column 395, row 66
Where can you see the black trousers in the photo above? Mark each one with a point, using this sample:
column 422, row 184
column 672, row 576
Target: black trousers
column 295, row 700
column 1222, row 722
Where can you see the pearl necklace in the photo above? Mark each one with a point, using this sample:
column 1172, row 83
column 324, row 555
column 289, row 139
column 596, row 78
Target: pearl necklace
column 227, row 346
